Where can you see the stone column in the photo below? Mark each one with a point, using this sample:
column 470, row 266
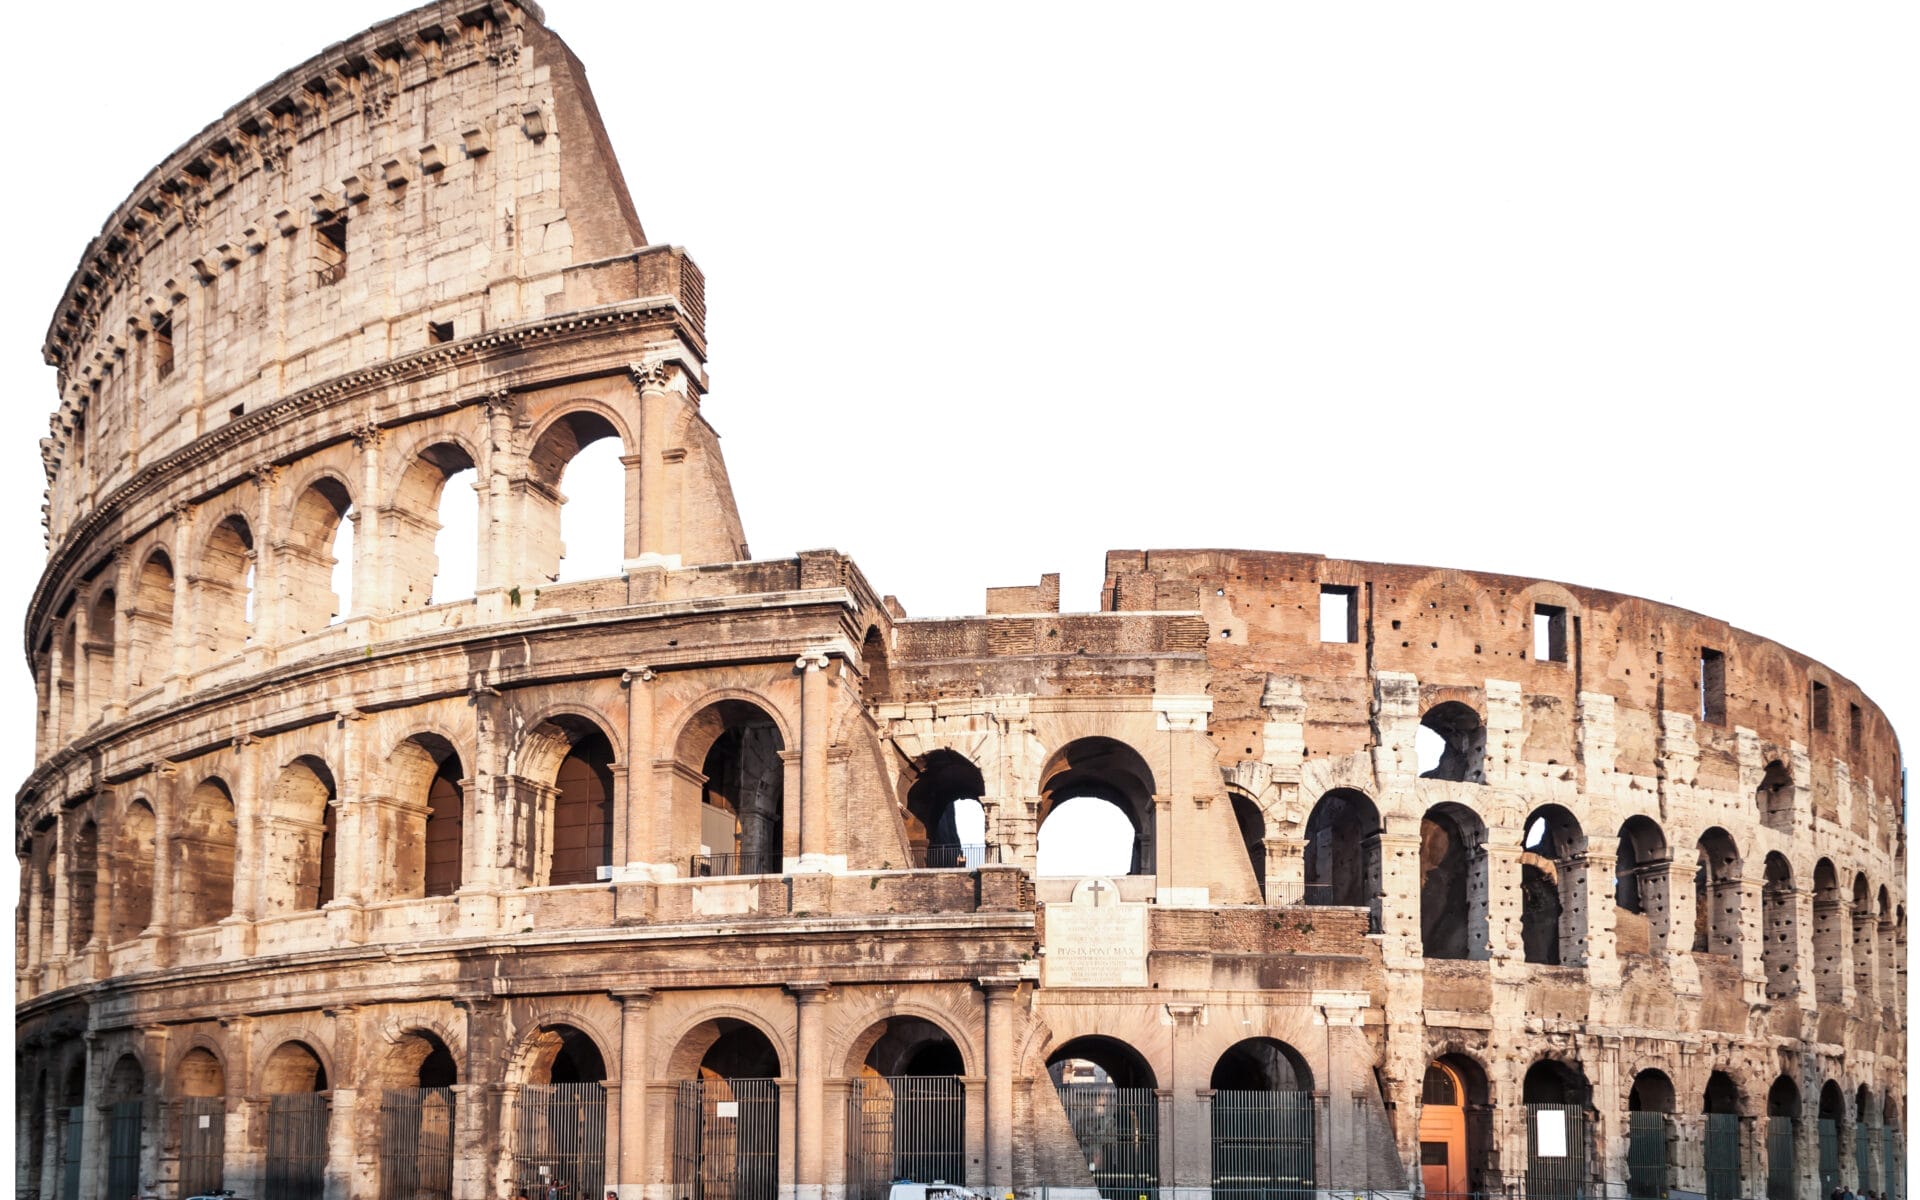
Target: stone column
column 649, row 541
column 79, row 668
column 267, row 591
column 1000, row 994
column 1400, row 887
column 494, row 569
column 814, row 740
column 123, row 640
column 166, row 803
column 184, row 570
column 1286, row 869
column 809, row 1123
column 1680, row 908
column 354, row 830
column 249, row 850
column 372, row 556
column 634, row 823
column 632, row 1171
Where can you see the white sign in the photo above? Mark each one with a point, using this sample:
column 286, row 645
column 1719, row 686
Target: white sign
column 205, row 1121
column 726, row 1108
column 1550, row 1135
column 1096, row 940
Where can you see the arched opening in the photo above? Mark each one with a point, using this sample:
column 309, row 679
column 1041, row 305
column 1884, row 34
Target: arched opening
column 82, row 879
column 417, row 1119
column 1556, row 1096
column 581, row 483
column 150, row 624
column 132, row 878
column 316, row 559
column 1864, row 923
column 873, row 656
column 1453, row 883
column 575, row 823
column 203, row 847
column 1077, row 836
column 1642, row 907
column 946, row 826
column 1833, row 1117
column 1108, row 1093
column 301, row 850
column 1884, row 955
column 434, row 527
column 1774, row 797
column 430, row 823
column 1456, row 1129
column 103, row 671
column 1252, row 826
column 70, row 1121
column 727, row 1116
column 908, row 1114
column 295, row 1083
column 1779, row 923
column 66, row 681
column 223, row 590
column 733, row 776
column 200, row 1089
column 1783, row 1136
column 1716, row 895
column 1263, row 1121
column 562, row 1129
column 1721, row 1105
column 1829, row 923
column 1553, row 888
column 1650, row 1135
column 39, row 907
column 1451, row 744
column 1866, row 1135
column 126, row 1125
column 1343, row 852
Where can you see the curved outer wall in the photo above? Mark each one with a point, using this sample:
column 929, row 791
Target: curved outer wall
column 621, row 829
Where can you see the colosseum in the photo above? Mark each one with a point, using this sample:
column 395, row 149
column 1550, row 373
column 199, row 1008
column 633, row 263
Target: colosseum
column 719, row 878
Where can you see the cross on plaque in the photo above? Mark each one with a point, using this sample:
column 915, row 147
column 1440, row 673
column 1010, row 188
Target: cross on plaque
column 1096, row 888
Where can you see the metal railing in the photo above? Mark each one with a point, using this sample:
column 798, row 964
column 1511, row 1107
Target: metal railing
column 416, row 1144
column 757, row 862
column 563, row 1138
column 1119, row 1134
column 203, row 1144
column 726, row 1139
column 904, row 1127
column 958, row 854
column 296, row 1147
column 1263, row 1145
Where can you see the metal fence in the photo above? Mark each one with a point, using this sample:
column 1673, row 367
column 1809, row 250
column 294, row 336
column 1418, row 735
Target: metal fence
column 911, row 1127
column 1890, row 1155
column 1263, row 1145
column 1723, row 1156
column 1829, row 1156
column 1782, row 1158
column 1557, row 1152
column 958, row 854
column 563, row 1138
column 1119, row 1134
column 1863, row 1176
column 72, row 1131
column 1648, row 1134
column 758, row 862
column 124, row 1121
column 297, row 1146
column 416, row 1144
column 726, row 1139
column 203, row 1144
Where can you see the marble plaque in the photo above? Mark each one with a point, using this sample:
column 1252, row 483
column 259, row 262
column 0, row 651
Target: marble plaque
column 1095, row 940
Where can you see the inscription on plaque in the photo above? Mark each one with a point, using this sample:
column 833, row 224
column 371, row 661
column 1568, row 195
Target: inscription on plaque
column 1095, row 940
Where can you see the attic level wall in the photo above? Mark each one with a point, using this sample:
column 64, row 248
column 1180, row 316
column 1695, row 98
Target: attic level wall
column 426, row 182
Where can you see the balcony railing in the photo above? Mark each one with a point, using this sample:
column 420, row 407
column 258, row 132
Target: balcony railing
column 958, row 854
column 758, row 862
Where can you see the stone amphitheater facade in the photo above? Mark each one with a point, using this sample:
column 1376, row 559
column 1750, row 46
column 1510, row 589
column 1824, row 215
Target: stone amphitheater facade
column 654, row 882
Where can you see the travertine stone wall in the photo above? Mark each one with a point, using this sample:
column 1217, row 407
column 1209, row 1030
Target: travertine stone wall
column 698, row 818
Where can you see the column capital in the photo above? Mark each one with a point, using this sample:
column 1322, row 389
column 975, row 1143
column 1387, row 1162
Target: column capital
column 635, row 675
column 999, row 987
column 810, row 991
column 812, row 660
column 634, row 999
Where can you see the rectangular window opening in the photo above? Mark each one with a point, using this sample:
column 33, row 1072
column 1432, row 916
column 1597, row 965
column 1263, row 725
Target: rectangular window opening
column 330, row 250
column 1549, row 633
column 1713, row 686
column 237, row 410
column 1820, row 708
column 439, row 332
column 162, row 347
column 1339, row 613
column 1856, row 721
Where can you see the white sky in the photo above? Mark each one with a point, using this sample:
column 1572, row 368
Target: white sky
column 1619, row 295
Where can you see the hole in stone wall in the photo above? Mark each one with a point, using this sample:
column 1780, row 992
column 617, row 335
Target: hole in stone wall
column 1820, row 707
column 330, row 251
column 1549, row 633
column 162, row 347
column 439, row 332
column 1713, row 686
column 1339, row 613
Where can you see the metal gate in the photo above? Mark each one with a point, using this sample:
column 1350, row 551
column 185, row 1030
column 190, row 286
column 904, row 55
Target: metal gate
column 297, row 1146
column 1782, row 1167
column 1119, row 1134
column 1263, row 1145
column 70, row 1138
column 726, row 1139
column 1890, row 1155
column 910, row 1127
column 1829, row 1156
column 1863, row 1158
column 1556, row 1152
column 123, row 1148
column 1647, row 1134
column 203, row 1142
column 563, row 1138
column 416, row 1144
column 1723, row 1156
